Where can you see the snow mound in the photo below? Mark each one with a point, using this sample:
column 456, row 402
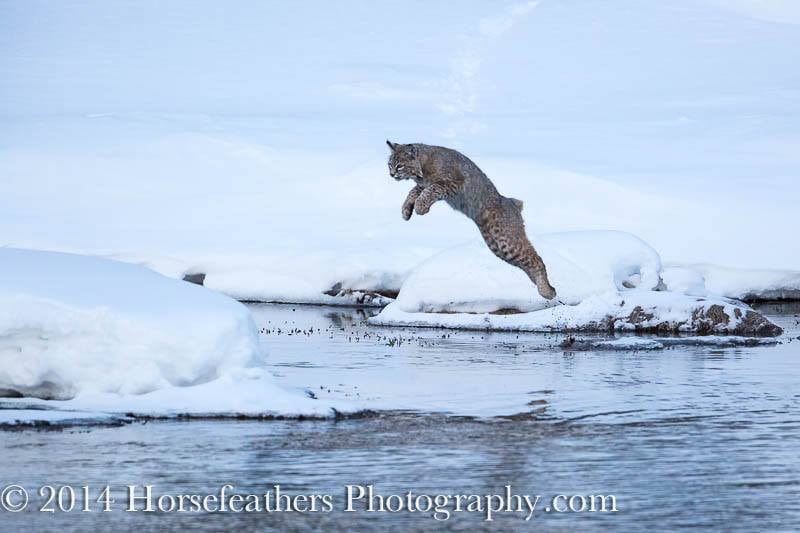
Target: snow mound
column 83, row 328
column 610, row 281
column 470, row 279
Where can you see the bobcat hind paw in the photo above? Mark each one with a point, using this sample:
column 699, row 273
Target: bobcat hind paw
column 547, row 292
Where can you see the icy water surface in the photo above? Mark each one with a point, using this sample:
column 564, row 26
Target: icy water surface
column 685, row 437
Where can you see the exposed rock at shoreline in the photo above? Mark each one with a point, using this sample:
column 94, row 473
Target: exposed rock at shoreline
column 661, row 313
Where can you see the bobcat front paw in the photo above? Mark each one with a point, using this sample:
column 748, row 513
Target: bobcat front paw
column 421, row 208
column 547, row 291
column 408, row 209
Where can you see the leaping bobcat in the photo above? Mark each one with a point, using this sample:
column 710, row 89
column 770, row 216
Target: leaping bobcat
column 445, row 174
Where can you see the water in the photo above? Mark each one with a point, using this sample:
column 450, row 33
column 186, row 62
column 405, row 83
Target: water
column 687, row 437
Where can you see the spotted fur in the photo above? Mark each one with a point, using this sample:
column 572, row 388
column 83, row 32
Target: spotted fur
column 444, row 174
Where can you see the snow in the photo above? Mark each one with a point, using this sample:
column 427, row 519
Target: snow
column 782, row 11
column 684, row 280
column 637, row 343
column 470, row 278
column 238, row 392
column 599, row 276
column 248, row 143
column 17, row 417
column 634, row 310
column 742, row 284
column 287, row 230
column 76, row 328
column 303, row 280
column 622, row 343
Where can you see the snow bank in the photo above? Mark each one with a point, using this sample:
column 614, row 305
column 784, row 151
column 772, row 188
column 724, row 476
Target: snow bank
column 739, row 283
column 634, row 311
column 608, row 280
column 76, row 327
column 12, row 417
column 238, row 392
column 305, row 280
column 471, row 279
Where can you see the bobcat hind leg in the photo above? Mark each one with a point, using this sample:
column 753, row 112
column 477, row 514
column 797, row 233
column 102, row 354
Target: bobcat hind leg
column 509, row 242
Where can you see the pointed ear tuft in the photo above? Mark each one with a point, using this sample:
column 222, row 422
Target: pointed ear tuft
column 392, row 146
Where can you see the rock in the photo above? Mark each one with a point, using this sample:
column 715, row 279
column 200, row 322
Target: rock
column 706, row 318
column 360, row 297
column 198, row 278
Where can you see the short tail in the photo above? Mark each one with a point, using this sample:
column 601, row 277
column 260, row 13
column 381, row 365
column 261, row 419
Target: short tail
column 517, row 203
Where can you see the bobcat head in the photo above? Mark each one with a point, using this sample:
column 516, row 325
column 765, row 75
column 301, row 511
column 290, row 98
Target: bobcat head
column 404, row 163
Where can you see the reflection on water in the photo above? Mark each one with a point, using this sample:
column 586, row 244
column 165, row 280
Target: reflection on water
column 689, row 436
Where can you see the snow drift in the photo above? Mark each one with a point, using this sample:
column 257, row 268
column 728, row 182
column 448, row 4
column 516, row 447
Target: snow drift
column 81, row 327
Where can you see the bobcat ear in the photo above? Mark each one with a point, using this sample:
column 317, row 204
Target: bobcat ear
column 392, row 146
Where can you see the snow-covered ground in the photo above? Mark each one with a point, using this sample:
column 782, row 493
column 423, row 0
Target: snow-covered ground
column 606, row 280
column 107, row 336
column 246, row 143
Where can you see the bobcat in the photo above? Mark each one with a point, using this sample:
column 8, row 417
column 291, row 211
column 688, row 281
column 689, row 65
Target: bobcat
column 445, row 174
